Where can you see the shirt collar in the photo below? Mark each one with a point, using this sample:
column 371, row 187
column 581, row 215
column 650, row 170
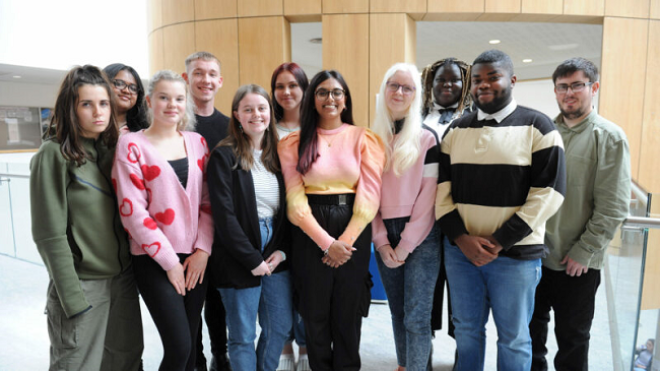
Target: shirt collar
column 499, row 115
column 559, row 121
column 437, row 107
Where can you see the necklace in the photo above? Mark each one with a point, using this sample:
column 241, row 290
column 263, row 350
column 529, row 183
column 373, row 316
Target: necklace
column 329, row 142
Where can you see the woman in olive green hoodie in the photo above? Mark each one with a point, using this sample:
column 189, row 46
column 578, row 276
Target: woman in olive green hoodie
column 93, row 309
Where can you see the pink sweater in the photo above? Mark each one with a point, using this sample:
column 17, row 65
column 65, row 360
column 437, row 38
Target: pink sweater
column 161, row 217
column 351, row 161
column 413, row 195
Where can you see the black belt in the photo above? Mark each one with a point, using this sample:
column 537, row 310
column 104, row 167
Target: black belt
column 342, row 199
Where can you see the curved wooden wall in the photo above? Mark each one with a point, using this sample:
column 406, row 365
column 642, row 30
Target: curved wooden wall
column 362, row 38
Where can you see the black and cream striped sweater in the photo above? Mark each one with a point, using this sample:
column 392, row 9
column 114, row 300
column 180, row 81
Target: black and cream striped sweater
column 503, row 179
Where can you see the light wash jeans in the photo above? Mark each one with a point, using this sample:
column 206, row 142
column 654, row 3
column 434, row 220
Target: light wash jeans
column 409, row 290
column 507, row 287
column 273, row 302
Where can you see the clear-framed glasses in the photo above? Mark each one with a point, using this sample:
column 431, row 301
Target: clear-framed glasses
column 121, row 85
column 405, row 89
column 575, row 87
column 322, row 94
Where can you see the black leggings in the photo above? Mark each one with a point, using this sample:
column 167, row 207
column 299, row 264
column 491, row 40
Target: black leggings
column 176, row 317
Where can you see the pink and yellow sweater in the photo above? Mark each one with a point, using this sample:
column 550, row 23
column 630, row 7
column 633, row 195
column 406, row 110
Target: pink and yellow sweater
column 411, row 195
column 163, row 219
column 350, row 160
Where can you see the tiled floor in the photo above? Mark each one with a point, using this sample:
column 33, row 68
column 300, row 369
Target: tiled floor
column 24, row 339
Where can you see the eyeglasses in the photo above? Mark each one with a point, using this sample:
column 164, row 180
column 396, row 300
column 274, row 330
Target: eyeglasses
column 121, row 85
column 575, row 87
column 322, row 94
column 405, row 89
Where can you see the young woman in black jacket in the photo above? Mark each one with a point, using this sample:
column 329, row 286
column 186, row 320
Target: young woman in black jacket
column 251, row 233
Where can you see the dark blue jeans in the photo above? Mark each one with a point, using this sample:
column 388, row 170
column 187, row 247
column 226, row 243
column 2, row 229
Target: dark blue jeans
column 409, row 291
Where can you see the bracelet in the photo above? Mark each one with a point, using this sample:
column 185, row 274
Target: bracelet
column 283, row 255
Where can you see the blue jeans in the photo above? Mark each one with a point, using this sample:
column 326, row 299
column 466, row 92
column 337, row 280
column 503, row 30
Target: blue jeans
column 507, row 287
column 409, row 291
column 273, row 302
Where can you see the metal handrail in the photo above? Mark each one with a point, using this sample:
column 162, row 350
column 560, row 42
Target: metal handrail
column 15, row 175
column 635, row 222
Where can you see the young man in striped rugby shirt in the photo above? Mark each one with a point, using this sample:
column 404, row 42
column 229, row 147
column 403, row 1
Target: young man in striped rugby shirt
column 502, row 176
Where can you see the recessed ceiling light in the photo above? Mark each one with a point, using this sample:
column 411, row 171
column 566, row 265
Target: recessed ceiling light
column 528, row 60
column 494, row 41
column 17, row 76
column 316, row 40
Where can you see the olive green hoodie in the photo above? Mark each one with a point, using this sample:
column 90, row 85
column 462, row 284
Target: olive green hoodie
column 75, row 221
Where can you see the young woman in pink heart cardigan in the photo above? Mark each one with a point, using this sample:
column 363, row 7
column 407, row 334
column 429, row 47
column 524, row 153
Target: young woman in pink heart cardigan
column 164, row 205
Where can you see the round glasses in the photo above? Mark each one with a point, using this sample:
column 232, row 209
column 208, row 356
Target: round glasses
column 121, row 85
column 405, row 89
column 322, row 94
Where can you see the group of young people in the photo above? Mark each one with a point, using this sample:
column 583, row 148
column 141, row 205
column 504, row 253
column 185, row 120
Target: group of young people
column 269, row 214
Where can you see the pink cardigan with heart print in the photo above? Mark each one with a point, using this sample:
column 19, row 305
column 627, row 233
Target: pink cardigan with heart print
column 162, row 218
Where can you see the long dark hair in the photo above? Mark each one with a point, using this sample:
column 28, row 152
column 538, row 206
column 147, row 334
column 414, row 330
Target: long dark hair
column 136, row 117
column 240, row 142
column 428, row 75
column 300, row 77
column 308, row 147
column 65, row 122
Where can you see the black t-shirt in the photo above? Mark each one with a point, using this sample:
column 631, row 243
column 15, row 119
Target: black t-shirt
column 213, row 128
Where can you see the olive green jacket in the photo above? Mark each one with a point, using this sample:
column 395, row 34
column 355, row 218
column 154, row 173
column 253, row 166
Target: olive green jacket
column 597, row 192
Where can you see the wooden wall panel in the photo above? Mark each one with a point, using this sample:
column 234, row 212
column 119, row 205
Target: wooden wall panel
column 397, row 6
column 345, row 6
column 178, row 44
column 346, row 49
column 261, row 52
column 502, row 6
column 649, row 176
column 155, row 15
column 155, row 53
column 177, row 11
column 300, row 7
column 655, row 9
column 450, row 6
column 258, row 8
column 621, row 99
column 628, row 8
column 220, row 37
column 213, row 9
column 543, row 7
column 584, row 7
column 393, row 40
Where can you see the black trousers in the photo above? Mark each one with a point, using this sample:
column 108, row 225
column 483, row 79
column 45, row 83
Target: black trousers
column 214, row 314
column 573, row 301
column 176, row 317
column 332, row 301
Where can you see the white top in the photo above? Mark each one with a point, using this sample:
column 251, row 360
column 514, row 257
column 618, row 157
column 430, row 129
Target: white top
column 282, row 132
column 499, row 115
column 266, row 188
column 432, row 118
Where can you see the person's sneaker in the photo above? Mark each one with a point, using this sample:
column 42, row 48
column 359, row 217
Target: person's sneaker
column 287, row 363
column 303, row 363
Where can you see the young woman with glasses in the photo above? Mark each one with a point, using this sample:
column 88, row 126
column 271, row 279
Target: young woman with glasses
column 404, row 232
column 130, row 105
column 163, row 202
column 93, row 308
column 253, row 233
column 332, row 170
column 288, row 85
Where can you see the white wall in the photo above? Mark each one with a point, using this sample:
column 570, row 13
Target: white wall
column 27, row 95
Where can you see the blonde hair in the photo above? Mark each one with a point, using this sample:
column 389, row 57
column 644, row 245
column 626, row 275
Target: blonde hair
column 188, row 121
column 400, row 153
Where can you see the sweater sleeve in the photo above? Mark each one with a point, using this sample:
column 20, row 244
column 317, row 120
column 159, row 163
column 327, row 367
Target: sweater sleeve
column 547, row 187
column 298, row 210
column 49, row 208
column 367, row 193
column 422, row 217
column 133, row 194
column 611, row 199
column 204, row 239
column 446, row 213
column 234, row 240
column 379, row 232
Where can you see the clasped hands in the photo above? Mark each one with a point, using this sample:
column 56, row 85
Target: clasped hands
column 187, row 275
column 393, row 258
column 338, row 254
column 479, row 250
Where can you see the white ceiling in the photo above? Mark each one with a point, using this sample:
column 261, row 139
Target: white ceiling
column 30, row 75
column 547, row 44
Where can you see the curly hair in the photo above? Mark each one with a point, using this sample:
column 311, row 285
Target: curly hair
column 428, row 75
